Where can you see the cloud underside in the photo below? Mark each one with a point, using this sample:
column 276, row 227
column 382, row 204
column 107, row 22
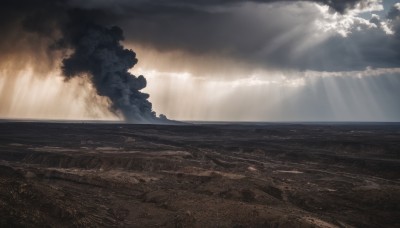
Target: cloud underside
column 303, row 35
column 300, row 35
column 295, row 35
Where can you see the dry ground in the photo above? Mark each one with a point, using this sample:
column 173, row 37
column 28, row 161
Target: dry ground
column 275, row 175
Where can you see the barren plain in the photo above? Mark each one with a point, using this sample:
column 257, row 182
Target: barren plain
column 199, row 175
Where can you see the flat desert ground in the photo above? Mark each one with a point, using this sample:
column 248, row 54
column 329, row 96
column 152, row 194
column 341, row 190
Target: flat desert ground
column 199, row 175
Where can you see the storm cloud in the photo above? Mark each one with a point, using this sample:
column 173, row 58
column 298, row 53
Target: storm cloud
column 273, row 34
column 280, row 34
column 297, row 35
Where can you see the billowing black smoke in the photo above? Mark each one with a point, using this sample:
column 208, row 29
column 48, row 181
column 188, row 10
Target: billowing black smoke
column 94, row 49
column 99, row 54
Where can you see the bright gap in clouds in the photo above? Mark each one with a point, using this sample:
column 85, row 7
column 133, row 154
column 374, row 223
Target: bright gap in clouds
column 367, row 95
column 276, row 96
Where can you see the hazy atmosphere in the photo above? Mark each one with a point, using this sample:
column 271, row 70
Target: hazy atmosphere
column 216, row 60
column 200, row 113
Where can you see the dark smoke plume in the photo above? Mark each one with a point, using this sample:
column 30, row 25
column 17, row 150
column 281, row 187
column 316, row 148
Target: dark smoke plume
column 98, row 52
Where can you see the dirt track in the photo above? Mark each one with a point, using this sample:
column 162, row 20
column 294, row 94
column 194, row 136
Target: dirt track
column 287, row 175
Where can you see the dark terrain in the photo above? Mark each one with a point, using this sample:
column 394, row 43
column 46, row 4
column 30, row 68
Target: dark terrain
column 226, row 175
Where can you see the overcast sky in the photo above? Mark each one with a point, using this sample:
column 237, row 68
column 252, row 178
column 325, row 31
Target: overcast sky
column 212, row 59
